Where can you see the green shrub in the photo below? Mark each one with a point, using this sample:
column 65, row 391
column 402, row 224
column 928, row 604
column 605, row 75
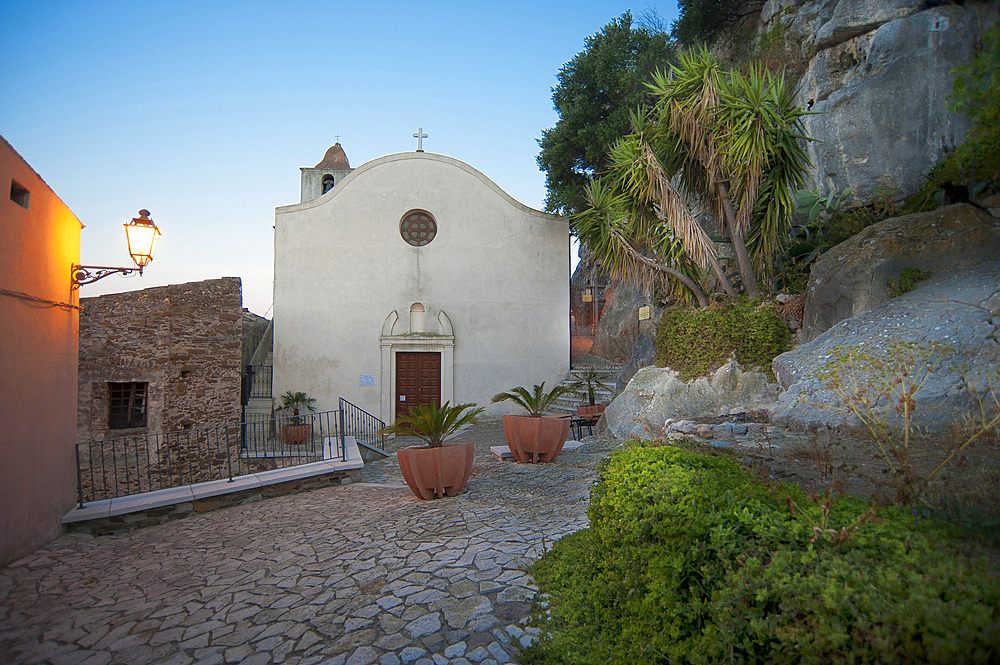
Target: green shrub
column 694, row 342
column 976, row 93
column 690, row 560
column 908, row 279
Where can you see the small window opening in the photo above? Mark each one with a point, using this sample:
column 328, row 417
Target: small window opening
column 19, row 194
column 327, row 183
column 127, row 405
column 416, row 317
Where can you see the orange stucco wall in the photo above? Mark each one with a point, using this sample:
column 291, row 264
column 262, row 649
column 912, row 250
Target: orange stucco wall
column 38, row 360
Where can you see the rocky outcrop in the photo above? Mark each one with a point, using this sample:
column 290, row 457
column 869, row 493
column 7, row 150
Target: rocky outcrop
column 851, row 277
column 643, row 353
column 655, row 397
column 620, row 326
column 878, row 75
column 960, row 308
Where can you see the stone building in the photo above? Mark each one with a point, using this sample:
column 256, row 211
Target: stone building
column 39, row 242
column 161, row 359
column 416, row 278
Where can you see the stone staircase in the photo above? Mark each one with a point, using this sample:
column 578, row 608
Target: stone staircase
column 259, row 408
column 606, row 374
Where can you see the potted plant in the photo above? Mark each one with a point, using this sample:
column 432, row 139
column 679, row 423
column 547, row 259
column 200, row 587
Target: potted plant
column 590, row 382
column 437, row 469
column 534, row 438
column 296, row 431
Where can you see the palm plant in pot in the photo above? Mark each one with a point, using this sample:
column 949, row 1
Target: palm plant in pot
column 534, row 437
column 590, row 382
column 296, row 430
column 437, row 469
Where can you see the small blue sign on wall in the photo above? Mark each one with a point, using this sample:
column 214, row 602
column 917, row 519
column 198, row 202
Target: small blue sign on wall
column 366, row 380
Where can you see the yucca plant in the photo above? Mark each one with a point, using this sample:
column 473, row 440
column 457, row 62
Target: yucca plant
column 536, row 401
column 731, row 140
column 432, row 424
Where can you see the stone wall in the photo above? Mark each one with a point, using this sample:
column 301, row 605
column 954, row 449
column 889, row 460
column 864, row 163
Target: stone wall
column 184, row 340
column 254, row 329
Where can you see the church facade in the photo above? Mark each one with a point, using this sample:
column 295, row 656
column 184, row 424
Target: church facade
column 414, row 278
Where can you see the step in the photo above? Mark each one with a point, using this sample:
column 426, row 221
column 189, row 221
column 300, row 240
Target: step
column 574, row 400
column 582, row 394
column 580, row 373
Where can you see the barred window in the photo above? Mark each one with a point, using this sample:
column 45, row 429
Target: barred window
column 418, row 228
column 127, row 405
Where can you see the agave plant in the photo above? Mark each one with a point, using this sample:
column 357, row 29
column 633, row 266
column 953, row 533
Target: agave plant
column 535, row 401
column 433, row 425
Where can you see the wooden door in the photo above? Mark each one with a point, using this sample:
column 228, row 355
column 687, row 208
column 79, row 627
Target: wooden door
column 418, row 380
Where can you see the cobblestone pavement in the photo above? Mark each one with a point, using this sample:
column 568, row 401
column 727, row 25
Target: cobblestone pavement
column 349, row 575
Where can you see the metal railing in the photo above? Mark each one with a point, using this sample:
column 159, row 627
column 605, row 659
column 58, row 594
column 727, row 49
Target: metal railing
column 146, row 462
column 259, row 378
column 363, row 426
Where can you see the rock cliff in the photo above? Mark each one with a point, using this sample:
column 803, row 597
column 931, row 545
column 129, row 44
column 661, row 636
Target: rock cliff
column 959, row 308
column 852, row 277
column 878, row 77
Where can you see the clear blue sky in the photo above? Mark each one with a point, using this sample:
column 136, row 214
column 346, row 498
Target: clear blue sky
column 203, row 112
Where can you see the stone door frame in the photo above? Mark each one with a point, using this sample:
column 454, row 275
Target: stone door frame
column 391, row 342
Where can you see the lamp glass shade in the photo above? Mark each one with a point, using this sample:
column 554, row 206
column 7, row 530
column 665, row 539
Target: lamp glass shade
column 142, row 237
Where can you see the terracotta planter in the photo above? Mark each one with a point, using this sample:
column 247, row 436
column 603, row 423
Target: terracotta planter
column 593, row 411
column 436, row 472
column 296, row 434
column 534, row 440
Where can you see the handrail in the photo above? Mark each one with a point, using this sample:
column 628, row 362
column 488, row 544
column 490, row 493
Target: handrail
column 145, row 462
column 366, row 429
column 259, row 380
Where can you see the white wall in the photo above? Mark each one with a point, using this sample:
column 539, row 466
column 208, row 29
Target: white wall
column 500, row 271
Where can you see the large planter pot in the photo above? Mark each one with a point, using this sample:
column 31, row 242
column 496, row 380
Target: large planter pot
column 436, row 472
column 296, row 434
column 593, row 411
column 535, row 439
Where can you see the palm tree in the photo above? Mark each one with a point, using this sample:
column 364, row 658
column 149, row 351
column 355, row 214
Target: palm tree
column 590, row 382
column 732, row 141
column 296, row 401
column 536, row 401
column 432, row 424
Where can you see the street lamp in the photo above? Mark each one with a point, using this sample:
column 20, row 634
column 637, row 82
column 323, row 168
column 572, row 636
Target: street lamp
column 142, row 235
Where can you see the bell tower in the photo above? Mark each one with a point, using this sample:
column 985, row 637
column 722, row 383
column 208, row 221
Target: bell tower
column 319, row 179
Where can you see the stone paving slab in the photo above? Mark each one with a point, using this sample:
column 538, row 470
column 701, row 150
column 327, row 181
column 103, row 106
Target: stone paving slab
column 350, row 575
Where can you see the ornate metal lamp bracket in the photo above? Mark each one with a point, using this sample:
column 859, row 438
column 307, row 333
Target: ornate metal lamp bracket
column 89, row 274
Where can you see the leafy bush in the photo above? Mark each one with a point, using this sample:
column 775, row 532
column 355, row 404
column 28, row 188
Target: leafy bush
column 976, row 93
column 908, row 279
column 694, row 342
column 689, row 559
column 702, row 21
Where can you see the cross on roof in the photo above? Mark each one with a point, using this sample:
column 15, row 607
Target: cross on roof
column 420, row 136
column 338, row 138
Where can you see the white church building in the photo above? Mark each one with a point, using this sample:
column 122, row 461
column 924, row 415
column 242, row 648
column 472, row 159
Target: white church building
column 412, row 278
